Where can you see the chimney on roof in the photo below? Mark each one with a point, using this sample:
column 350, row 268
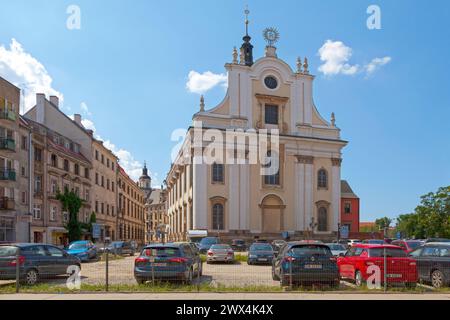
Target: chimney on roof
column 77, row 118
column 55, row 101
column 40, row 107
column 90, row 132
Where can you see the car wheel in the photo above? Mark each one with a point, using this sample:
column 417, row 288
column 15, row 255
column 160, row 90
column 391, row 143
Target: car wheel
column 437, row 279
column 358, row 279
column 31, row 277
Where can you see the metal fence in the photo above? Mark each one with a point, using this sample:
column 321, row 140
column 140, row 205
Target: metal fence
column 42, row 268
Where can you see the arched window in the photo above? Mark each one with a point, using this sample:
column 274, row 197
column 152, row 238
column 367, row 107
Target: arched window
column 273, row 164
column 323, row 219
column 322, row 179
column 217, row 217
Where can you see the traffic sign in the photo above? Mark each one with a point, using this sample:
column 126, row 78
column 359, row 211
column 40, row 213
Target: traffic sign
column 344, row 232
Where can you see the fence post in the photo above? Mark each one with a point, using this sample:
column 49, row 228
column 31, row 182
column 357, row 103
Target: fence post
column 198, row 275
column 290, row 275
column 107, row 269
column 385, row 269
column 17, row 269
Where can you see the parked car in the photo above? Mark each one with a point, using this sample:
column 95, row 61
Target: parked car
column 206, row 243
column 302, row 262
column 433, row 263
column 193, row 246
column 277, row 244
column 408, row 245
column 400, row 268
column 122, row 248
column 260, row 253
column 337, row 248
column 238, row 245
column 36, row 262
column 167, row 262
column 374, row 241
column 220, row 253
column 352, row 242
column 83, row 249
column 437, row 240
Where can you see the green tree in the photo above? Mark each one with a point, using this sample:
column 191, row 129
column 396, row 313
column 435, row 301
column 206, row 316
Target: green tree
column 431, row 218
column 71, row 203
column 383, row 223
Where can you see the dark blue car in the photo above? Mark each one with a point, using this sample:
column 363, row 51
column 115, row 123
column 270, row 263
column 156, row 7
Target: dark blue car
column 305, row 263
column 206, row 243
column 171, row 262
column 260, row 253
column 36, row 262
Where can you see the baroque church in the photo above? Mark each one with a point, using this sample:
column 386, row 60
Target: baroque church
column 228, row 200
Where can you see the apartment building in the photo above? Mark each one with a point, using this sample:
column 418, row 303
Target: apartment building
column 14, row 167
column 157, row 218
column 104, row 199
column 131, row 208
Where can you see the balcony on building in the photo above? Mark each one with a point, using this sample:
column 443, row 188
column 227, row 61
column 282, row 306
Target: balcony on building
column 8, row 174
column 7, row 114
column 7, row 144
column 7, row 203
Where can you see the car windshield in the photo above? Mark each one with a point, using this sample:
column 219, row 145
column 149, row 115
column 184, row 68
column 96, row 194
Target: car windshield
column 335, row 246
column 261, row 247
column 390, row 252
column 414, row 244
column 77, row 245
column 311, row 250
column 208, row 241
column 220, row 246
column 374, row 241
column 7, row 251
column 161, row 252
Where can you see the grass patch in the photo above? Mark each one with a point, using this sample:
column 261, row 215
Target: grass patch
column 237, row 257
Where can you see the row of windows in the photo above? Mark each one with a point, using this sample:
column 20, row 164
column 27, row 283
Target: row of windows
column 100, row 181
column 217, row 174
column 100, row 157
column 104, row 208
column 132, row 193
column 54, row 161
column 218, row 218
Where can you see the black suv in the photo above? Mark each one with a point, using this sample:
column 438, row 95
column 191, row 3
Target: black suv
column 238, row 245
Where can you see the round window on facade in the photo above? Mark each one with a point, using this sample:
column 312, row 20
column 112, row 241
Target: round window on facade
column 270, row 82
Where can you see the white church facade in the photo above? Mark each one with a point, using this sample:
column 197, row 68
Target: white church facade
column 234, row 200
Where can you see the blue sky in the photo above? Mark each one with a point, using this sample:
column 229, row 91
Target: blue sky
column 129, row 65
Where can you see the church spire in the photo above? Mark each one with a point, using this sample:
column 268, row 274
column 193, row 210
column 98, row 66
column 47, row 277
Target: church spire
column 247, row 48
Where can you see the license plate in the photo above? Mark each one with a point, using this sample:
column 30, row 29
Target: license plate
column 262, row 259
column 393, row 275
column 313, row 266
column 159, row 264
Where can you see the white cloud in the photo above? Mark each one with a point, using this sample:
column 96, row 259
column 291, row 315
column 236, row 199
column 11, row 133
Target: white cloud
column 85, row 109
column 335, row 55
column 26, row 72
column 88, row 124
column 202, row 82
column 376, row 63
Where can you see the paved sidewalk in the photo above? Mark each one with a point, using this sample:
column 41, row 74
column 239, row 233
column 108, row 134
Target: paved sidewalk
column 228, row 296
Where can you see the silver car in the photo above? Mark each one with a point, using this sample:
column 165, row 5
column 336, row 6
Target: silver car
column 220, row 253
column 336, row 249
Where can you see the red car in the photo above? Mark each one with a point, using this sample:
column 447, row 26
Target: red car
column 400, row 268
column 408, row 245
